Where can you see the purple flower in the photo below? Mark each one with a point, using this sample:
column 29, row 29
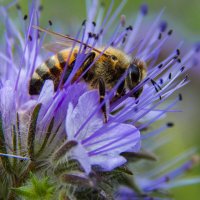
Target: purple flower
column 62, row 133
column 101, row 142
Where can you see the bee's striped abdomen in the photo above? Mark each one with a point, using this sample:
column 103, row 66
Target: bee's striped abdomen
column 35, row 84
column 61, row 59
column 51, row 69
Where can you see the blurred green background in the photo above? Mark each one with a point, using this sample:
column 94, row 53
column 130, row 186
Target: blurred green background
column 184, row 18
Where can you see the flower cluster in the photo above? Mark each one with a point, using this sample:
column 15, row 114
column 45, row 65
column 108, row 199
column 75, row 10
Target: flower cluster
column 58, row 140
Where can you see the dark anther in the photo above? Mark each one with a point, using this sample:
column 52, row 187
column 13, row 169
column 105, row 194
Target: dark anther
column 160, row 36
column 129, row 28
column 30, row 38
column 101, row 31
column 90, row 35
column 137, row 101
column 170, row 75
column 178, row 52
column 170, row 124
column 180, row 97
column 25, row 17
column 96, row 37
column 163, row 26
column 170, row 32
column 175, row 57
column 161, row 81
column 155, row 85
column 83, row 23
column 94, row 23
column 160, row 66
column 50, row 23
column 179, row 60
column 124, row 39
column 182, row 68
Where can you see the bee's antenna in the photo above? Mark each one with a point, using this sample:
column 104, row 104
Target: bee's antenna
column 67, row 37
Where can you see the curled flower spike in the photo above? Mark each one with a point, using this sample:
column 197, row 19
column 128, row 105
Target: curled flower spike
column 76, row 121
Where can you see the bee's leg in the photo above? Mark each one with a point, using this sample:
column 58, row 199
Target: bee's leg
column 120, row 92
column 138, row 93
column 102, row 92
column 90, row 58
column 121, row 89
column 86, row 63
column 68, row 72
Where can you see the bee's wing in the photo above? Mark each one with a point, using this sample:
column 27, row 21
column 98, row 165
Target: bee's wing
column 55, row 47
column 61, row 41
column 65, row 40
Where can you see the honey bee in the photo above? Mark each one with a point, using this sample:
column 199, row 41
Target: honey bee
column 109, row 66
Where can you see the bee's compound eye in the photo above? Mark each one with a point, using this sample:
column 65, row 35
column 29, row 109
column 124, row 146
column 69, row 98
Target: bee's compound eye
column 113, row 57
column 134, row 73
